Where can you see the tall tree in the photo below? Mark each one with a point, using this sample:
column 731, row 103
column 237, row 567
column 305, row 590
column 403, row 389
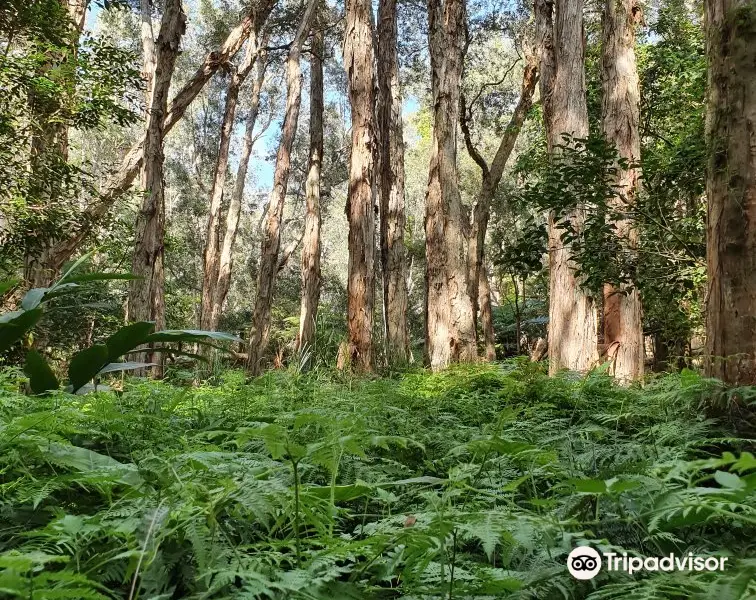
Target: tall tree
column 490, row 177
column 211, row 263
column 358, row 62
column 310, row 260
column 391, row 187
column 49, row 261
column 146, row 295
column 49, row 136
column 731, row 191
column 622, row 318
column 572, row 313
column 271, row 242
column 234, row 206
column 450, row 321
column 148, row 47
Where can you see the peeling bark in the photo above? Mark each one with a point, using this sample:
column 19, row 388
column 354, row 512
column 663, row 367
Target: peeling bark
column 450, row 334
column 391, row 186
column 486, row 315
column 358, row 62
column 573, row 336
column 731, row 191
column 148, row 49
column 622, row 316
column 310, row 260
column 146, row 295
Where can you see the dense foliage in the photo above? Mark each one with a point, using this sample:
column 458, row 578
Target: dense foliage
column 473, row 483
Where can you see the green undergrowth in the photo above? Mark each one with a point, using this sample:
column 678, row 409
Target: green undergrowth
column 471, row 483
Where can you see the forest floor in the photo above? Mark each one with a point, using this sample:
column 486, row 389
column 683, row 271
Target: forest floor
column 471, row 483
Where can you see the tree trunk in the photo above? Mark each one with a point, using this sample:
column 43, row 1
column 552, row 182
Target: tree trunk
column 573, row 337
column 146, row 295
column 491, row 176
column 358, row 61
column 148, row 49
column 50, row 261
column 731, row 191
column 234, row 207
column 391, row 179
column 450, row 321
column 310, row 261
column 486, row 315
column 272, row 235
column 211, row 263
column 622, row 315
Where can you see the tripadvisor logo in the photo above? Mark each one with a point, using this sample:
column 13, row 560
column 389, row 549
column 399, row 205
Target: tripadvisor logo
column 584, row 563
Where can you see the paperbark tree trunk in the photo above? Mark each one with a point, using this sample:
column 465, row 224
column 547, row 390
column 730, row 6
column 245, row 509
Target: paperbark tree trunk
column 310, row 260
column 731, row 191
column 146, row 295
column 490, row 179
column 211, row 262
column 391, row 186
column 272, row 235
column 50, row 260
column 148, row 49
column 486, row 314
column 622, row 315
column 358, row 62
column 234, row 207
column 573, row 337
column 450, row 320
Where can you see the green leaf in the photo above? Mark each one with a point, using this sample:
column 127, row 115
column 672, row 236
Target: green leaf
column 8, row 284
column 746, row 462
column 425, row 479
column 67, row 275
column 88, row 461
column 729, row 480
column 86, row 277
column 86, row 364
column 41, row 377
column 342, row 493
column 124, row 366
column 127, row 338
column 33, row 298
column 13, row 325
column 191, row 335
column 588, row 486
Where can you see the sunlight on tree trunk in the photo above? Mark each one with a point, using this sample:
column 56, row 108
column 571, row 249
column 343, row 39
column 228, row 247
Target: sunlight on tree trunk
column 147, row 295
column 358, row 62
column 450, row 322
column 148, row 49
column 272, row 234
column 731, row 191
column 573, row 333
column 623, row 342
